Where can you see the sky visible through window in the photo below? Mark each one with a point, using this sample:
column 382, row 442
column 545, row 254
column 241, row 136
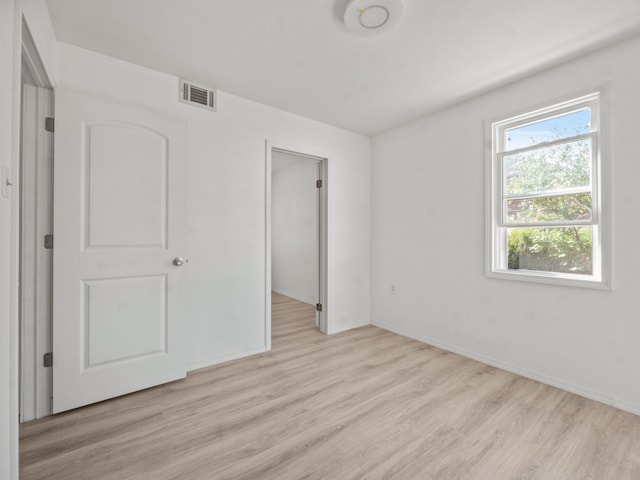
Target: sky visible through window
column 568, row 125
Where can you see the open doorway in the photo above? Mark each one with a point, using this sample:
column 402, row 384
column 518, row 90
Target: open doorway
column 296, row 230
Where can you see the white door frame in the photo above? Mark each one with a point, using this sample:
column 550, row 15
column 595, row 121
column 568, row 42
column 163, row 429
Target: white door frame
column 323, row 159
column 35, row 220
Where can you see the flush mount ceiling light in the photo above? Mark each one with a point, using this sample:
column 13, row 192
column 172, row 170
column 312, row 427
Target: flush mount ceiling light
column 373, row 17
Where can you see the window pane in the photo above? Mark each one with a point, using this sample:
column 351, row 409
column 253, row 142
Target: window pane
column 564, row 126
column 559, row 208
column 550, row 168
column 556, row 249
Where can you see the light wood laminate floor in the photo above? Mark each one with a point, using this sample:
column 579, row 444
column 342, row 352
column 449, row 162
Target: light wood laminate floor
column 363, row 404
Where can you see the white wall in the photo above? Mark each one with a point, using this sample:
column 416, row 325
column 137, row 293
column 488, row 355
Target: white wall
column 226, row 203
column 428, row 237
column 294, row 228
column 9, row 135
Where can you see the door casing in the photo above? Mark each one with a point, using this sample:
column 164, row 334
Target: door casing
column 36, row 215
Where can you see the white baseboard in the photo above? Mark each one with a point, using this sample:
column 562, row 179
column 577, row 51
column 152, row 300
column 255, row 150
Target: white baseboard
column 225, row 358
column 295, row 296
column 554, row 382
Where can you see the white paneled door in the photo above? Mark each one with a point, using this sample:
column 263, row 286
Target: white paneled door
column 119, row 230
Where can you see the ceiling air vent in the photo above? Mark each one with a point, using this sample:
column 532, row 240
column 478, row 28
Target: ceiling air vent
column 197, row 95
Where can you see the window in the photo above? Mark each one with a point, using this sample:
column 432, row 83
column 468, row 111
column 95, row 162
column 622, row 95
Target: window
column 545, row 195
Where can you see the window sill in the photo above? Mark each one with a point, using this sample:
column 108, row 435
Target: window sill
column 568, row 280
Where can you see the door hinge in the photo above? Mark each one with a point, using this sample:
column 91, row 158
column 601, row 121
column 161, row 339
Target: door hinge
column 48, row 241
column 49, row 124
column 319, row 183
column 47, row 359
column 318, row 307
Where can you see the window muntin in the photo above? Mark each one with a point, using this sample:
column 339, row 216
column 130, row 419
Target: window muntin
column 546, row 193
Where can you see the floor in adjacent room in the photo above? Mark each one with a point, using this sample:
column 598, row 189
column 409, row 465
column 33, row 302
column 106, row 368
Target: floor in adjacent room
column 363, row 404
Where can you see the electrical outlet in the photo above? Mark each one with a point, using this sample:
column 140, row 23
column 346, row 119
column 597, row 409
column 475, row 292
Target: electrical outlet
column 394, row 289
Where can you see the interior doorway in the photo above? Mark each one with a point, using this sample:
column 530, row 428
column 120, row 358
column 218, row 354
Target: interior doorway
column 296, row 230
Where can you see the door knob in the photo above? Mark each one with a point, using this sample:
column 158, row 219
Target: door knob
column 178, row 261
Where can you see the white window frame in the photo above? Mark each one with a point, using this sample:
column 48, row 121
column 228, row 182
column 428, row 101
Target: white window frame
column 497, row 224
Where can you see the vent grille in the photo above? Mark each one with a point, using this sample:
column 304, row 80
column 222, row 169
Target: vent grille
column 197, row 95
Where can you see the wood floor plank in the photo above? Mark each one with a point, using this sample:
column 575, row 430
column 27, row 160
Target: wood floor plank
column 362, row 404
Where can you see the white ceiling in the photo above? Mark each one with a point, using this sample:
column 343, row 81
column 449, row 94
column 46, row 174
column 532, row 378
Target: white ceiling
column 298, row 56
